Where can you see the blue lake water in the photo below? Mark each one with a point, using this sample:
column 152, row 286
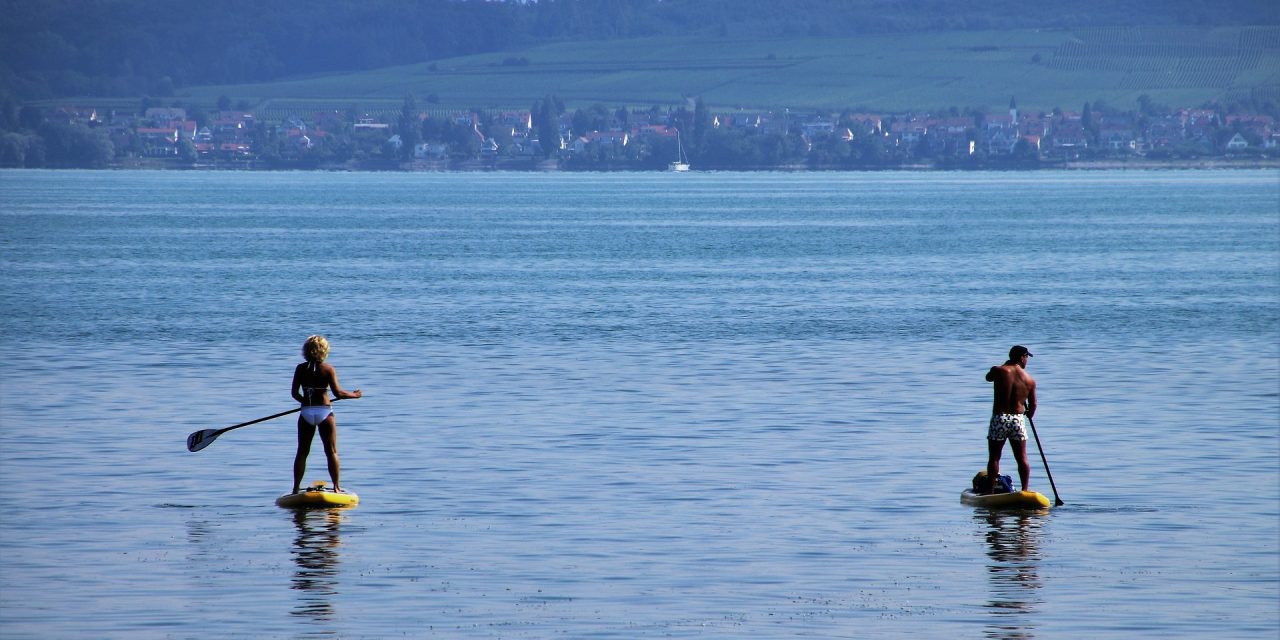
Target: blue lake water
column 640, row 405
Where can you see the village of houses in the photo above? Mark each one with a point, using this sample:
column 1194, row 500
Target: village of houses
column 510, row 140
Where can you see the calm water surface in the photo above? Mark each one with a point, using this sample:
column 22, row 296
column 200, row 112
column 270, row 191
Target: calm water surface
column 629, row 406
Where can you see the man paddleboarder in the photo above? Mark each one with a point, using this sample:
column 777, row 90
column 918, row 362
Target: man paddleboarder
column 1015, row 401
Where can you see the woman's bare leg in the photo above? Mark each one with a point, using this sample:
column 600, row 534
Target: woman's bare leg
column 329, row 436
column 305, row 433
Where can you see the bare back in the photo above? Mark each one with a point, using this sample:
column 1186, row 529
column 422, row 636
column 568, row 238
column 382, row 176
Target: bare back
column 311, row 381
column 1015, row 389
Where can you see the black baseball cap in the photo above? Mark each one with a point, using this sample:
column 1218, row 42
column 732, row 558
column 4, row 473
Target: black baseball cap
column 1018, row 351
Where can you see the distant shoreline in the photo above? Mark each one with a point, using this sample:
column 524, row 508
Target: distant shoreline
column 1202, row 163
column 546, row 167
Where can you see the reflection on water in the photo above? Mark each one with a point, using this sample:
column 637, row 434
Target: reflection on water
column 315, row 551
column 1011, row 539
column 197, row 533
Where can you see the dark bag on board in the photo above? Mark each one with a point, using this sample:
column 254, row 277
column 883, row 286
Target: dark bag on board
column 1003, row 484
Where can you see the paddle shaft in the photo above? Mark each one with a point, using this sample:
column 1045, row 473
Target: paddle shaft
column 245, row 424
column 1056, row 500
column 201, row 439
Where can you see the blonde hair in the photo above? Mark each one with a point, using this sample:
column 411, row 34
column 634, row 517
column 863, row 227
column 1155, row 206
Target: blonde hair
column 315, row 349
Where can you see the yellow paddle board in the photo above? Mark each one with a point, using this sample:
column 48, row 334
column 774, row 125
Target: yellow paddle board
column 318, row 496
column 1014, row 500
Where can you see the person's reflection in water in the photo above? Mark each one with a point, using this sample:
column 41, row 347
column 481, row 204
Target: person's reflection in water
column 1011, row 544
column 315, row 551
column 197, row 535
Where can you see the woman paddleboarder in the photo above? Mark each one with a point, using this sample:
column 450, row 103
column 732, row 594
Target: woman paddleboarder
column 312, row 380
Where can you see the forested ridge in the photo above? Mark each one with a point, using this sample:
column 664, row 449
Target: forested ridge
column 53, row 48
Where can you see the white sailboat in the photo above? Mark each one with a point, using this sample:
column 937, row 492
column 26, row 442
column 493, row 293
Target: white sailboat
column 682, row 160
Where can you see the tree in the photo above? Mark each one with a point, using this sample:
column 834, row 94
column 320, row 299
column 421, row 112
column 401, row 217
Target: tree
column 187, row 150
column 13, row 149
column 701, row 124
column 580, row 124
column 1089, row 122
column 30, row 118
column 682, row 119
column 600, row 117
column 870, row 151
column 410, row 127
column 1150, row 108
column 830, row 151
column 1025, row 154
column 9, row 110
column 164, row 86
column 199, row 115
column 546, row 121
column 73, row 145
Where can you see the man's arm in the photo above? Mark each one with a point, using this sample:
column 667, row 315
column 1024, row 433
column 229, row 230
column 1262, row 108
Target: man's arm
column 1031, row 398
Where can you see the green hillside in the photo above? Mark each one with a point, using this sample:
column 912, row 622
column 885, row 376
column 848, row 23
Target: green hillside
column 1177, row 66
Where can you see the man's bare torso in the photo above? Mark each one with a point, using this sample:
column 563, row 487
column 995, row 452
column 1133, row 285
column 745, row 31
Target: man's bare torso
column 1013, row 388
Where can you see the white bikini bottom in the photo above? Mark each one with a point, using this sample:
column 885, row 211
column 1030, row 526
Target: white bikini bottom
column 316, row 414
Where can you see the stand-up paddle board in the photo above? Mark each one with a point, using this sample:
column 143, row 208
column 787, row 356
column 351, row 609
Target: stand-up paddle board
column 1002, row 497
column 318, row 496
column 1012, row 500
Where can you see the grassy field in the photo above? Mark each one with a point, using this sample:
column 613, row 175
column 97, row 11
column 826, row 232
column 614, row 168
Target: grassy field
column 1177, row 66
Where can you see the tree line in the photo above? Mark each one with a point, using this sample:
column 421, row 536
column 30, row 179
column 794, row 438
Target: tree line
column 55, row 48
column 29, row 138
column 35, row 137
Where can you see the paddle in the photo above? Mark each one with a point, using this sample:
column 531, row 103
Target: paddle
column 201, row 439
column 1056, row 500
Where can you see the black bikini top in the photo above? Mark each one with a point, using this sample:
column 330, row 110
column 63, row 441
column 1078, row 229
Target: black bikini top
column 309, row 392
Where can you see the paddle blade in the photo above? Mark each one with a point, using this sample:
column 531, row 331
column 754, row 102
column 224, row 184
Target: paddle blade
column 201, row 439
